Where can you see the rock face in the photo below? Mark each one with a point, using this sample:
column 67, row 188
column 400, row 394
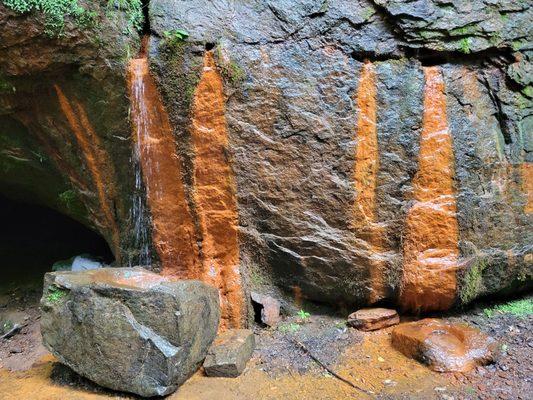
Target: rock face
column 371, row 319
column 445, row 347
column 128, row 329
column 230, row 353
column 346, row 152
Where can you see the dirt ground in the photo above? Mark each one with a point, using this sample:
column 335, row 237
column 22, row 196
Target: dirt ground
column 280, row 369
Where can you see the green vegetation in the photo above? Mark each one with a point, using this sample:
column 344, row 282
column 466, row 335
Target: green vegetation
column 133, row 10
column 230, row 70
column 5, row 85
column 174, row 37
column 291, row 327
column 303, row 315
column 520, row 308
column 55, row 294
column 464, row 46
column 473, row 281
column 55, row 12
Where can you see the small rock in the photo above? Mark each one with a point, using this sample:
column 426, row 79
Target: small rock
column 370, row 319
column 269, row 306
column 443, row 346
column 389, row 382
column 15, row 350
column 228, row 355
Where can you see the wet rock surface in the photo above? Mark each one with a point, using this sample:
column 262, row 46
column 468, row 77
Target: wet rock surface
column 443, row 346
column 129, row 329
column 370, row 319
column 229, row 353
column 290, row 109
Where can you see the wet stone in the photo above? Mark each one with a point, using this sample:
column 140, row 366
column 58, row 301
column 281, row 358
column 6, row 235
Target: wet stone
column 445, row 347
column 128, row 329
column 371, row 319
column 230, row 353
column 268, row 307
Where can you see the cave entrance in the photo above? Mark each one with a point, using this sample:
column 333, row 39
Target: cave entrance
column 33, row 238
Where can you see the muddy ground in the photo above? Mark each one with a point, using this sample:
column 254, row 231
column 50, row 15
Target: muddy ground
column 281, row 369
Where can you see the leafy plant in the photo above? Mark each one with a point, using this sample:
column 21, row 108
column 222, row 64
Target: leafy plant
column 303, row 315
column 54, row 11
column 292, row 328
column 55, row 294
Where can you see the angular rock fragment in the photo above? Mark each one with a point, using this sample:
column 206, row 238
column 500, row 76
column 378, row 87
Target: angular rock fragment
column 444, row 347
column 371, row 319
column 129, row 329
column 229, row 354
column 268, row 307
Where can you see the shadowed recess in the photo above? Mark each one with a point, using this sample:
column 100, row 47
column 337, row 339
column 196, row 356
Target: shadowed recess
column 34, row 237
column 430, row 245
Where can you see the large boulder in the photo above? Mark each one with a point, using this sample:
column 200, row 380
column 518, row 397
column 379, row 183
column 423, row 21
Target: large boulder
column 128, row 329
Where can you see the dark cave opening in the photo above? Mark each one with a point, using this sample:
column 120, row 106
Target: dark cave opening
column 34, row 237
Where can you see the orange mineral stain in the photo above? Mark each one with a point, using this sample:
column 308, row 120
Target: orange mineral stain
column 214, row 195
column 365, row 177
column 527, row 186
column 174, row 235
column 430, row 245
column 97, row 161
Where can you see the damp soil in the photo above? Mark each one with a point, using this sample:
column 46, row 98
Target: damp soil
column 282, row 369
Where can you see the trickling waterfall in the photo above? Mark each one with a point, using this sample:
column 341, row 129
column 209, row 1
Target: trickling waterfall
column 158, row 170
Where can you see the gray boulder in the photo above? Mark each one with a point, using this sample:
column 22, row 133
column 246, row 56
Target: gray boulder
column 230, row 353
column 129, row 329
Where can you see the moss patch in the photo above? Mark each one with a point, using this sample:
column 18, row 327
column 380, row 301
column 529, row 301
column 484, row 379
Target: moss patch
column 473, row 281
column 55, row 294
column 520, row 308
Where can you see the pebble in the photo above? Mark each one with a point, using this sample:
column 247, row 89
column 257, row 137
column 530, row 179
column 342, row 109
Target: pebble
column 15, row 350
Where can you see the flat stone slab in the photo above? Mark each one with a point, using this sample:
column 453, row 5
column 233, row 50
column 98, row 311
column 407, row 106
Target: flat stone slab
column 128, row 329
column 371, row 319
column 445, row 347
column 230, row 353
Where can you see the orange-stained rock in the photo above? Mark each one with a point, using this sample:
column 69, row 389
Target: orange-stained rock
column 214, row 194
column 430, row 243
column 365, row 176
column 371, row 319
column 443, row 346
column 98, row 163
column 527, row 185
column 174, row 235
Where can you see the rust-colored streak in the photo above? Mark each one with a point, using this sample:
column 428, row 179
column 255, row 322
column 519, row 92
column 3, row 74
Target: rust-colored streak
column 527, row 186
column 430, row 243
column 97, row 161
column 215, row 194
column 365, row 177
column 174, row 234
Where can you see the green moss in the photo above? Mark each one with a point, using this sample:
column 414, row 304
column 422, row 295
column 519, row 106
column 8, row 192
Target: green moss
column 520, row 308
column 464, row 46
column 6, row 86
column 133, row 9
column 230, row 70
column 473, row 282
column 528, row 91
column 55, row 294
column 465, row 30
